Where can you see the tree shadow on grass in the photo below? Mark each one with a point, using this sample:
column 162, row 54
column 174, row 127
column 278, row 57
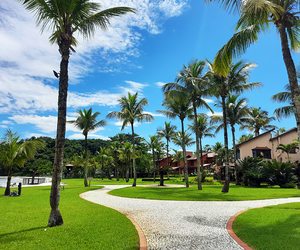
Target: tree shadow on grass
column 17, row 235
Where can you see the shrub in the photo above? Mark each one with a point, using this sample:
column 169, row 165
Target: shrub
column 279, row 173
column 256, row 175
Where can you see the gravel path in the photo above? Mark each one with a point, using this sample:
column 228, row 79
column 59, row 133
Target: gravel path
column 181, row 225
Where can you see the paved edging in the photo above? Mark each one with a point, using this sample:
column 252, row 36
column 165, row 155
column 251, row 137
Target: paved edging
column 233, row 235
column 142, row 237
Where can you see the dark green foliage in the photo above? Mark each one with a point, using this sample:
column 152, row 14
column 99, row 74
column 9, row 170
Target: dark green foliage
column 279, row 173
column 255, row 175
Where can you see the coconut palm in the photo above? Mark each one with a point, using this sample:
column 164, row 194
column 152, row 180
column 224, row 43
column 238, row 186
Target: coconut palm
column 256, row 120
column 204, row 129
column 87, row 121
column 191, row 81
column 217, row 146
column 244, row 138
column 234, row 82
column 178, row 157
column 167, row 132
column 114, row 152
column 178, row 107
column 66, row 18
column 256, row 17
column 102, row 156
column 14, row 152
column 125, row 154
column 287, row 148
column 183, row 140
column 131, row 110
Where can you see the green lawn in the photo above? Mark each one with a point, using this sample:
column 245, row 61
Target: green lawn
column 209, row 193
column 86, row 225
column 269, row 228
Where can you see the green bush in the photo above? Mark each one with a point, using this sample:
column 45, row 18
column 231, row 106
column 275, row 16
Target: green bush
column 256, row 175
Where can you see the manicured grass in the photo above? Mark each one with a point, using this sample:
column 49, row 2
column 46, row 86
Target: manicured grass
column 269, row 228
column 86, row 225
column 209, row 193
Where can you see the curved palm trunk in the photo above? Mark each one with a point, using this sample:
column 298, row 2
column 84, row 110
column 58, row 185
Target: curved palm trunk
column 55, row 218
column 86, row 162
column 127, row 169
column 291, row 71
column 199, row 172
column 225, row 188
column 237, row 181
column 201, row 169
column 133, row 157
column 7, row 189
column 186, row 174
column 168, row 163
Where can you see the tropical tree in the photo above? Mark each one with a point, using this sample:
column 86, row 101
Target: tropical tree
column 114, row 152
column 287, row 148
column 217, row 146
column 131, row 110
column 167, row 132
column 178, row 157
column 204, row 129
column 14, row 152
column 125, row 154
column 153, row 142
column 244, row 138
column 102, row 156
column 191, row 81
column 256, row 120
column 207, row 148
column 255, row 19
column 179, row 107
column 65, row 18
column 221, row 85
column 87, row 121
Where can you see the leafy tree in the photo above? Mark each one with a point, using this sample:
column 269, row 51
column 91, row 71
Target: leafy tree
column 131, row 110
column 207, row 148
column 217, row 146
column 178, row 107
column 256, row 17
column 203, row 130
column 234, row 82
column 14, row 152
column 125, row 154
column 191, row 82
column 167, row 132
column 178, row 157
column 244, row 138
column 114, row 151
column 256, row 120
column 65, row 18
column 102, row 156
column 87, row 121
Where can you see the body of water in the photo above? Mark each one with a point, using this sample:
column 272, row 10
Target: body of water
column 19, row 179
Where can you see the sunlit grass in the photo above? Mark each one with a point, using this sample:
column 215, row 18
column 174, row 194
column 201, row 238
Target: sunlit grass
column 209, row 193
column 86, row 225
column 269, row 228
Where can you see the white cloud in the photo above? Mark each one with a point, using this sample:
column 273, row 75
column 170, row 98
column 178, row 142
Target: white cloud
column 81, row 136
column 160, row 84
column 215, row 113
column 153, row 114
column 7, row 122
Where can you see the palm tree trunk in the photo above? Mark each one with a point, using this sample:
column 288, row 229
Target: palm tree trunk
column 237, row 181
column 199, row 173
column 86, row 162
column 7, row 189
column 291, row 71
column 201, row 169
column 133, row 157
column 55, row 218
column 168, row 163
column 186, row 174
column 225, row 188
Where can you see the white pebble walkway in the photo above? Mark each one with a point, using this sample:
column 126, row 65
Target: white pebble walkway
column 180, row 225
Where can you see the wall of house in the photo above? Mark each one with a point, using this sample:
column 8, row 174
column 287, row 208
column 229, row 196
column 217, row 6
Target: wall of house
column 284, row 139
column 261, row 141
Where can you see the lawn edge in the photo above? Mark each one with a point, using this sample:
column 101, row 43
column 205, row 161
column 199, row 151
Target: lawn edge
column 233, row 235
column 142, row 237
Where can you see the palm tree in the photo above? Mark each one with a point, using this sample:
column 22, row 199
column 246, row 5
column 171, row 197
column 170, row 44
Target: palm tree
column 65, row 18
column 114, row 148
column 167, row 132
column 14, row 152
column 87, row 121
column 285, row 96
column 178, row 157
column 244, row 138
column 153, row 143
column 102, row 155
column 255, row 19
column 190, row 81
column 204, row 129
column 234, row 82
column 236, row 111
column 287, row 148
column 125, row 154
column 217, row 146
column 178, row 107
column 256, row 120
column 131, row 110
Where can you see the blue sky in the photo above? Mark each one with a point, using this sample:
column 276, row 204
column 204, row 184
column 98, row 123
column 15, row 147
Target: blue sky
column 139, row 52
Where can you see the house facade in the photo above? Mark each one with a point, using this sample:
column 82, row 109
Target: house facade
column 265, row 146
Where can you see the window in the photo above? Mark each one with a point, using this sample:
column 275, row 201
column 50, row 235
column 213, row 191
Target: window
column 262, row 153
column 238, row 154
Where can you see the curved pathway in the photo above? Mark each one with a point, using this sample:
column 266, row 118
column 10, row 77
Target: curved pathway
column 180, row 225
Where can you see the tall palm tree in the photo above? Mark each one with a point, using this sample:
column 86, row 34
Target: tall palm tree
column 191, row 81
column 125, row 154
column 256, row 120
column 113, row 150
column 204, row 129
column 87, row 121
column 178, row 107
column 14, row 152
column 102, row 156
column 152, row 144
column 255, row 19
column 178, row 157
column 65, row 18
column 131, row 110
column 167, row 132
column 234, row 82
column 236, row 112
column 288, row 148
